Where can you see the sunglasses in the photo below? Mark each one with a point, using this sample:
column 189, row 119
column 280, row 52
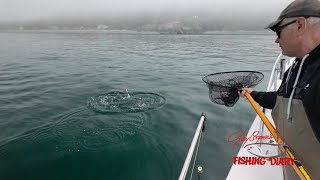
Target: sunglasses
column 279, row 28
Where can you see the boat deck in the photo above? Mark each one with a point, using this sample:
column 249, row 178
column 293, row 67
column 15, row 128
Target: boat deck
column 253, row 172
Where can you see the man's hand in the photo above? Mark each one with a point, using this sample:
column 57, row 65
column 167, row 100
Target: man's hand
column 249, row 90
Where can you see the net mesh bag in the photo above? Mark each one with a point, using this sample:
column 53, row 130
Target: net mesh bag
column 224, row 86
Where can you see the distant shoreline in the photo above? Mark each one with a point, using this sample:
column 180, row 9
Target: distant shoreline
column 134, row 32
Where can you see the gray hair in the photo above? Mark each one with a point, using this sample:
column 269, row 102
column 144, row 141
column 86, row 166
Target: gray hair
column 314, row 21
column 311, row 20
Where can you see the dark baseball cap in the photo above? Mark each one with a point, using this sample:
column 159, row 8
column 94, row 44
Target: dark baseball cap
column 298, row 8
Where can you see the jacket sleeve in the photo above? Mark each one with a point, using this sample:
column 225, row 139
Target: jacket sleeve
column 265, row 99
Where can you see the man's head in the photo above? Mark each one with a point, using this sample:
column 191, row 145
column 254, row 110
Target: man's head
column 298, row 27
column 298, row 8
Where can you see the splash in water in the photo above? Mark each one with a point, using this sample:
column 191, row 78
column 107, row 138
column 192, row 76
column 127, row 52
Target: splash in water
column 128, row 93
column 120, row 102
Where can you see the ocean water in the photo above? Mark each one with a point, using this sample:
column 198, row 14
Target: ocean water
column 49, row 131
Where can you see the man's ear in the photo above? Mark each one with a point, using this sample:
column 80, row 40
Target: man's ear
column 302, row 25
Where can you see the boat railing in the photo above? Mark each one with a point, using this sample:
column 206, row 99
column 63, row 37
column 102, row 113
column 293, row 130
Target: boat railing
column 278, row 70
column 275, row 73
column 196, row 138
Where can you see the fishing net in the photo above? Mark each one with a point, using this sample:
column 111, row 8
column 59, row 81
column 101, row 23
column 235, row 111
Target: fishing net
column 224, row 86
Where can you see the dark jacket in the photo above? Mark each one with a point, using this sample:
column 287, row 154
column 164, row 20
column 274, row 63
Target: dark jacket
column 310, row 95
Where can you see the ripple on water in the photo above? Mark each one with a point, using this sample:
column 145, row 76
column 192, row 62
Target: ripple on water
column 120, row 102
column 88, row 131
column 79, row 131
column 85, row 133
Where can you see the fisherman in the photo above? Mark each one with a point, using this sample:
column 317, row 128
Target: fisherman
column 296, row 104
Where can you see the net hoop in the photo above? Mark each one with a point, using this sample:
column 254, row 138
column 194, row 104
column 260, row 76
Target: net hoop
column 224, row 86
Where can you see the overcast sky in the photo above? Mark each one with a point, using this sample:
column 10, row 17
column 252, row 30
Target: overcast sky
column 26, row 10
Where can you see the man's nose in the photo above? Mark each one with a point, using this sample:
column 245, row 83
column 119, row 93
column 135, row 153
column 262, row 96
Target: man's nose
column 277, row 40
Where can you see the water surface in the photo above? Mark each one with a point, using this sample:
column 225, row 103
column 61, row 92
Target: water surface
column 49, row 132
